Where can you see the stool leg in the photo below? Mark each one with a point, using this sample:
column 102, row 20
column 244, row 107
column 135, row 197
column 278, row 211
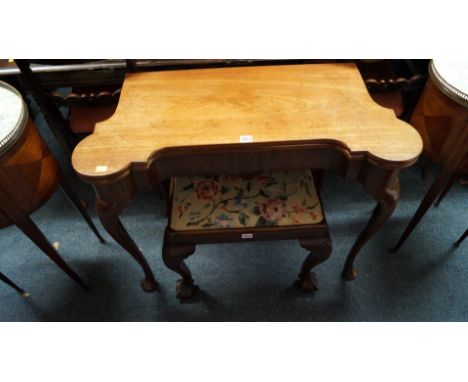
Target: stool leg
column 37, row 237
column 173, row 257
column 462, row 237
column 7, row 281
column 74, row 198
column 319, row 252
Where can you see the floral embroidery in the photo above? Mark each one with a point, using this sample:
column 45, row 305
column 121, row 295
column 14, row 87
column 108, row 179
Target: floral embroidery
column 274, row 210
column 257, row 200
column 206, row 189
column 222, row 220
column 298, row 209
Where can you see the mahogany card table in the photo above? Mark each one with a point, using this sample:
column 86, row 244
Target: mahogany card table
column 239, row 121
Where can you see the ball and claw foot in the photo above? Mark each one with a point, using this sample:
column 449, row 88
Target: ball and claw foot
column 307, row 282
column 149, row 285
column 350, row 274
column 185, row 290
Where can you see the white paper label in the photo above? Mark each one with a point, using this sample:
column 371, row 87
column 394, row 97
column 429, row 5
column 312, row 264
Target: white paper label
column 101, row 169
column 247, row 236
column 245, row 138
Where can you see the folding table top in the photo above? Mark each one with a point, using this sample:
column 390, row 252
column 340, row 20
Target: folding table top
column 243, row 106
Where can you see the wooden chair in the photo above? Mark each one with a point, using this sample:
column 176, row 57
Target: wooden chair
column 86, row 106
column 395, row 84
column 265, row 206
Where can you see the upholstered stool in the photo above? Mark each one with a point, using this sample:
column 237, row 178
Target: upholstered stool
column 265, row 206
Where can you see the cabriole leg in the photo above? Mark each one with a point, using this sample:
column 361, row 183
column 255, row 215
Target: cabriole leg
column 173, row 256
column 382, row 212
column 109, row 216
column 319, row 252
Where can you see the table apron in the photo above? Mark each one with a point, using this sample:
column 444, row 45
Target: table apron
column 143, row 177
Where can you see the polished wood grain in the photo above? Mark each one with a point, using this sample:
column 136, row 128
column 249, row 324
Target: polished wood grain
column 440, row 121
column 216, row 106
column 443, row 125
column 29, row 175
column 189, row 122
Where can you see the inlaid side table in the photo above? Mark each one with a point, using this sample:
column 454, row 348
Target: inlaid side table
column 238, row 121
column 441, row 117
column 29, row 175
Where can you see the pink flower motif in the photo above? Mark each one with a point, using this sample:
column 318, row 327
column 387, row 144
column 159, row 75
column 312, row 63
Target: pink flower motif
column 206, row 189
column 181, row 210
column 274, row 210
column 299, row 209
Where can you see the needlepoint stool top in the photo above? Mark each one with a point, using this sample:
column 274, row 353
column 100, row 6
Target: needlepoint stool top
column 258, row 200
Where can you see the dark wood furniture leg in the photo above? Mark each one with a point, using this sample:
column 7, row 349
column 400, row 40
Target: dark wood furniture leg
column 436, row 188
column 461, row 238
column 7, row 281
column 383, row 210
column 173, row 256
column 109, row 216
column 78, row 203
column 447, row 188
column 457, row 142
column 319, row 252
column 55, row 120
column 37, row 237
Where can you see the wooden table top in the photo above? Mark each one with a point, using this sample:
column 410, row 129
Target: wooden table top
column 286, row 104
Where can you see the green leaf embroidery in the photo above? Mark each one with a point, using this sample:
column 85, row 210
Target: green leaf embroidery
column 262, row 222
column 243, row 218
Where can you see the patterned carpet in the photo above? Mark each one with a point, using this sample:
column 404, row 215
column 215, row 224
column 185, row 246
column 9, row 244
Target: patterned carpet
column 426, row 281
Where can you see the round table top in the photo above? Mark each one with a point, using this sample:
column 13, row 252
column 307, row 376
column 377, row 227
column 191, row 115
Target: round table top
column 13, row 116
column 451, row 77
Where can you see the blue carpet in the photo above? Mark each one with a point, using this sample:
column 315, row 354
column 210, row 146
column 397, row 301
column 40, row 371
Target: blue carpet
column 426, row 281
